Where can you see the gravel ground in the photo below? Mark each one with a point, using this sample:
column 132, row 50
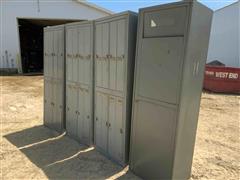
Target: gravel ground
column 31, row 151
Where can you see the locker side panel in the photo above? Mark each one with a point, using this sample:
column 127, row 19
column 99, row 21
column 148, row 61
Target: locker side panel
column 193, row 74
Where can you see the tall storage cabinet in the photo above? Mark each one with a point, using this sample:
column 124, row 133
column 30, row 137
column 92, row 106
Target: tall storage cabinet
column 79, row 81
column 114, row 65
column 171, row 55
column 54, row 74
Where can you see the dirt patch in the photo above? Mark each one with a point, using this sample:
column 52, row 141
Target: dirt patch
column 31, row 151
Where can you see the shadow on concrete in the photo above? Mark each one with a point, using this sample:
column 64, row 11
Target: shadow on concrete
column 63, row 158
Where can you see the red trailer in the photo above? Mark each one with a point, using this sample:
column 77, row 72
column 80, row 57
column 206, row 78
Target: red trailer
column 222, row 79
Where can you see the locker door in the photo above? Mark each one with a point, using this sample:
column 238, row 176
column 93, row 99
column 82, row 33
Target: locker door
column 74, row 53
column 98, row 54
column 87, row 117
column 50, row 93
column 81, row 45
column 102, row 51
column 80, row 114
column 50, row 53
column 54, row 103
column 113, row 55
column 55, row 53
column 101, row 129
column 58, row 107
column 68, row 107
column 160, row 64
column 55, row 82
column 105, row 53
column 69, row 65
column 154, row 134
column 116, row 131
column 47, row 103
column 87, row 54
column 121, row 43
column 72, row 118
column 45, row 66
column 60, row 55
column 47, row 53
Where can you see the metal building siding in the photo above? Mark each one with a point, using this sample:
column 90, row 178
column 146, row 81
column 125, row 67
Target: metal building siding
column 114, row 59
column 54, row 83
column 167, row 88
column 79, row 93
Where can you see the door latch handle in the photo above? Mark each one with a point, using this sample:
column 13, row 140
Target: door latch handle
column 96, row 119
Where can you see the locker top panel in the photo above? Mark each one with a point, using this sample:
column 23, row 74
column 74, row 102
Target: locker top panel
column 79, row 24
column 115, row 16
column 166, row 20
column 53, row 28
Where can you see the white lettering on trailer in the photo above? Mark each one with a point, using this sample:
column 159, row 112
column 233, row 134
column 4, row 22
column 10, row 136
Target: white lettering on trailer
column 233, row 75
column 222, row 74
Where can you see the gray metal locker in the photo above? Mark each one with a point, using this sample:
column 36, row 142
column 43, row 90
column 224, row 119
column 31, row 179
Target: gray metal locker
column 79, row 81
column 54, row 74
column 171, row 54
column 115, row 39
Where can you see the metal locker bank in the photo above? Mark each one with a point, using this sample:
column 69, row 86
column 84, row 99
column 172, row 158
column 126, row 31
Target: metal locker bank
column 115, row 38
column 79, row 81
column 54, row 74
column 171, row 54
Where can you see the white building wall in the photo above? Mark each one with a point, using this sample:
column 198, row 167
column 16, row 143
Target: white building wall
column 13, row 9
column 224, row 38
